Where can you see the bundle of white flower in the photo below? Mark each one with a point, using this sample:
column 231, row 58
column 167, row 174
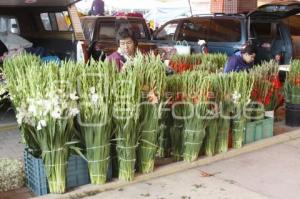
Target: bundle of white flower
column 45, row 99
column 24, row 77
column 37, row 112
column 52, row 119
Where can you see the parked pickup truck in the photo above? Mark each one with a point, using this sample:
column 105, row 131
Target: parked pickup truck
column 100, row 33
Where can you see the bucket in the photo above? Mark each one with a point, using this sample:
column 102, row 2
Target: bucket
column 292, row 114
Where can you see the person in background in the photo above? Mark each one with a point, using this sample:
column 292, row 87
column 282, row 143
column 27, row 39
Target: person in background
column 127, row 48
column 97, row 8
column 278, row 58
column 241, row 62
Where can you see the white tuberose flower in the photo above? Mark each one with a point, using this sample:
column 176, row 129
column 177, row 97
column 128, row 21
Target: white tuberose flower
column 20, row 116
column 74, row 111
column 56, row 114
column 73, row 96
column 41, row 124
column 47, row 106
column 93, row 90
column 32, row 109
column 95, row 98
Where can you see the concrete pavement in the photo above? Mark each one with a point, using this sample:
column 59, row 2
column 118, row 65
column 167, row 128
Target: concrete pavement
column 271, row 172
column 10, row 145
column 255, row 175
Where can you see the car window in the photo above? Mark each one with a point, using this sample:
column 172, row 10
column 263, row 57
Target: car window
column 265, row 32
column 261, row 30
column 9, row 24
column 137, row 27
column 225, row 30
column 108, row 30
column 88, row 29
column 58, row 21
column 167, row 32
column 194, row 30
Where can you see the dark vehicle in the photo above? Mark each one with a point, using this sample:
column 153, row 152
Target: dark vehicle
column 44, row 23
column 226, row 33
column 101, row 31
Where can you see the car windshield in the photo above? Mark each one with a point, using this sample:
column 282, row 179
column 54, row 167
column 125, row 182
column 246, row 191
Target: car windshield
column 108, row 30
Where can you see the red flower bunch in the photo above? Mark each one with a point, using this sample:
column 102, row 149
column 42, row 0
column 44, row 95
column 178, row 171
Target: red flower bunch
column 182, row 63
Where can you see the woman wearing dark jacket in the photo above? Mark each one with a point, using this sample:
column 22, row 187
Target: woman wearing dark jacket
column 243, row 61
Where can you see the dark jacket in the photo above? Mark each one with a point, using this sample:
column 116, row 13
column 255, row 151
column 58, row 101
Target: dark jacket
column 236, row 63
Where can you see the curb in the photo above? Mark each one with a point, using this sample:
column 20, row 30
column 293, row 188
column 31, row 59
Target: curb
column 8, row 127
column 89, row 190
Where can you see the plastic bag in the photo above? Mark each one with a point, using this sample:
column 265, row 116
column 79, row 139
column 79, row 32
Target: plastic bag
column 182, row 48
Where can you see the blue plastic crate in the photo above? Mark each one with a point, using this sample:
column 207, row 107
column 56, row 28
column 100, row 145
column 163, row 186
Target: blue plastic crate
column 77, row 172
column 36, row 180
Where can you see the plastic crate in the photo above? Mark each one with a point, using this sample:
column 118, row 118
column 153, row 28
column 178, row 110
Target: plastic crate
column 258, row 130
column 77, row 172
column 36, row 180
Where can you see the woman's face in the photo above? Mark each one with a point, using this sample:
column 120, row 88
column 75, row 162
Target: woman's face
column 249, row 58
column 127, row 46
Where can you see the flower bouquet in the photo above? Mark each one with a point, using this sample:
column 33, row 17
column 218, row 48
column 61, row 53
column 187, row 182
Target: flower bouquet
column 153, row 79
column 95, row 119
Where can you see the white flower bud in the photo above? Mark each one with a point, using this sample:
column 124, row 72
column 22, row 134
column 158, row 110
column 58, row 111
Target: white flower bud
column 95, row 98
column 32, row 109
column 56, row 114
column 92, row 90
column 73, row 96
column 74, row 111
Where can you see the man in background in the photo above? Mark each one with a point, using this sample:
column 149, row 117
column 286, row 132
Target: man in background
column 97, row 8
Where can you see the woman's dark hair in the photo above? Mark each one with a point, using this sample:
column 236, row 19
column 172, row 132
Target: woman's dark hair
column 95, row 53
column 126, row 33
column 249, row 48
column 3, row 48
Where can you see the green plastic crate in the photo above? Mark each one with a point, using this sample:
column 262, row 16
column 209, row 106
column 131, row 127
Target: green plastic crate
column 258, row 130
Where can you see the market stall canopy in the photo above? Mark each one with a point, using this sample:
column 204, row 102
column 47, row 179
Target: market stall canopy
column 176, row 9
column 84, row 6
column 115, row 5
column 37, row 3
column 161, row 15
column 132, row 4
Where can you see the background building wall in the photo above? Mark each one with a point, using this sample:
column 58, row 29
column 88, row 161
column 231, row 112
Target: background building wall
column 233, row 6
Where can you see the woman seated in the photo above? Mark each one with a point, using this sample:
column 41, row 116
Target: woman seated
column 127, row 48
